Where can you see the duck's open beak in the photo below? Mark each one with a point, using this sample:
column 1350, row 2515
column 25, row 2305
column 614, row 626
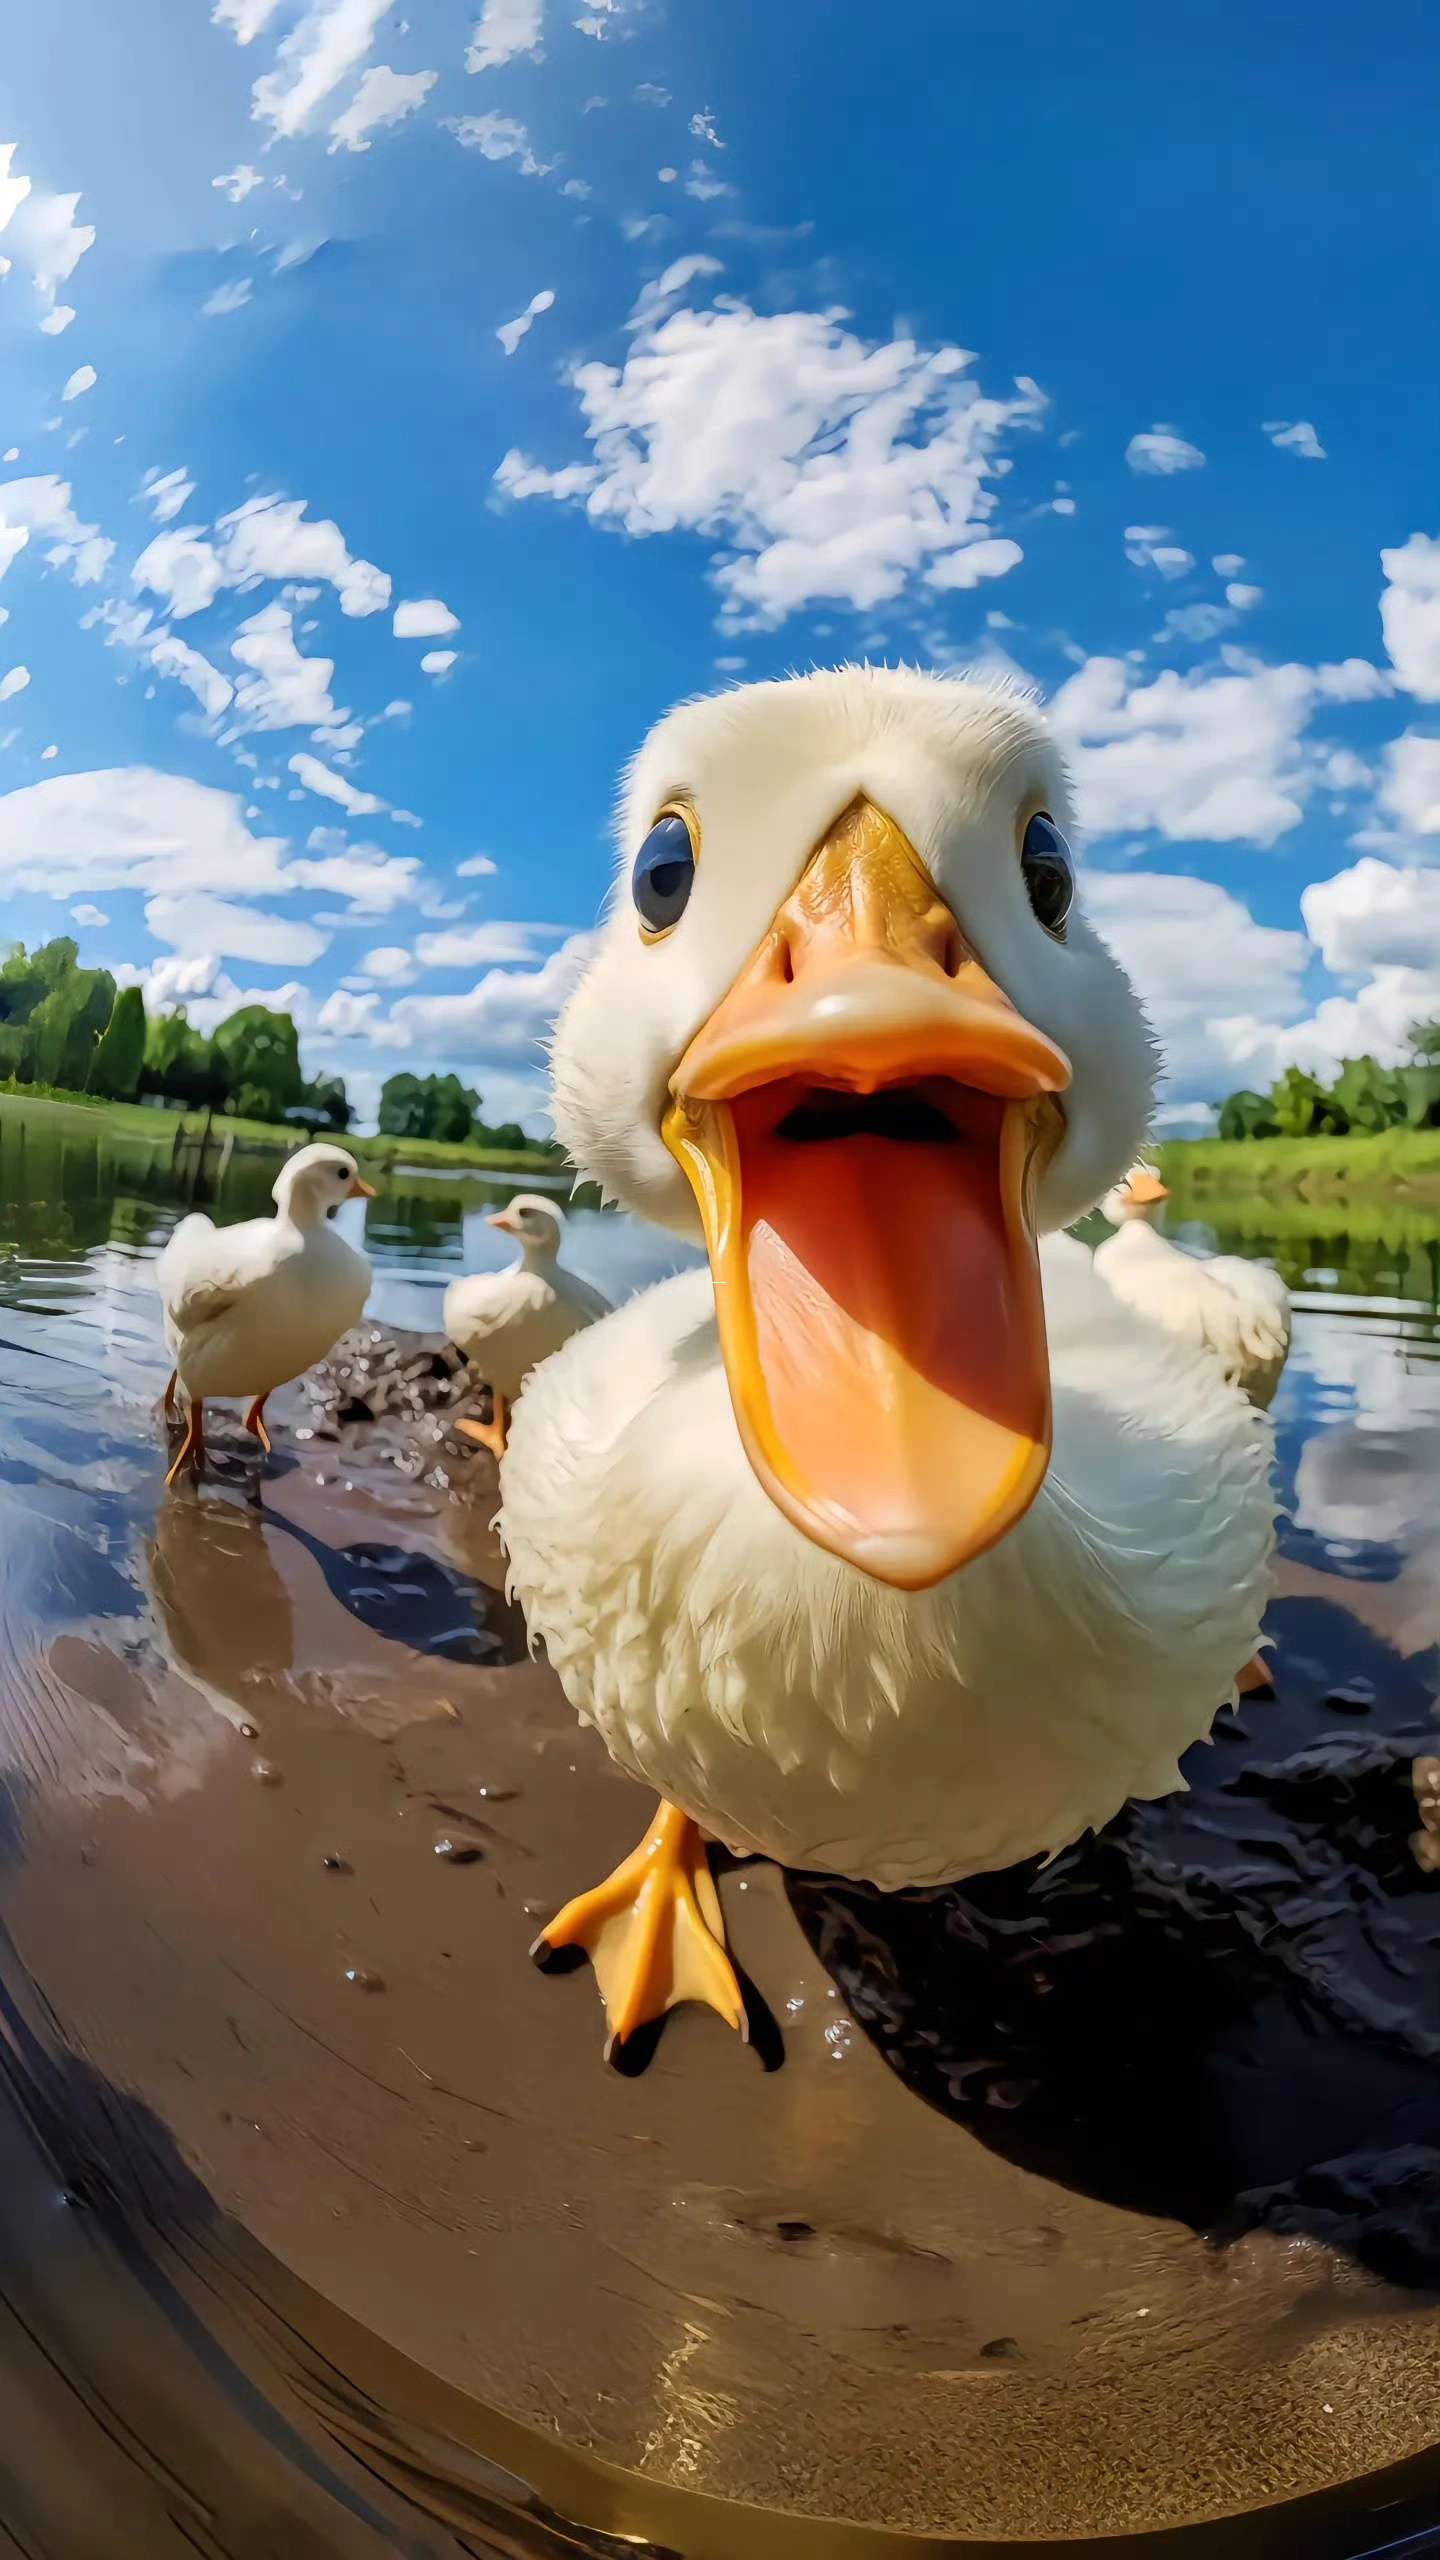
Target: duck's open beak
column 360, row 1190
column 862, row 1120
column 1147, row 1189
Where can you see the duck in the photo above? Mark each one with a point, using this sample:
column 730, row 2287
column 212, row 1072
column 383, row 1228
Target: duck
column 1238, row 1311
column 885, row 1542
column 249, row 1307
column 507, row 1321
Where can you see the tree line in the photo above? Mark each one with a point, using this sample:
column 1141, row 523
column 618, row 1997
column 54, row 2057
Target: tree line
column 1364, row 1097
column 72, row 1030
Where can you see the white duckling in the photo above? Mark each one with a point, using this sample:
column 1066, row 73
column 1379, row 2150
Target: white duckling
column 507, row 1321
column 861, row 1549
column 1238, row 1311
column 249, row 1307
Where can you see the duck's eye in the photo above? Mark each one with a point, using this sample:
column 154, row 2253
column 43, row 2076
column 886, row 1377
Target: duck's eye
column 664, row 873
column 1049, row 870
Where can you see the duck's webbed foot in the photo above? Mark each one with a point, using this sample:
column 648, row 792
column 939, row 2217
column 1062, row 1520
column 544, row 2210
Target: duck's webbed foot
column 1256, row 1676
column 491, row 1435
column 654, row 1932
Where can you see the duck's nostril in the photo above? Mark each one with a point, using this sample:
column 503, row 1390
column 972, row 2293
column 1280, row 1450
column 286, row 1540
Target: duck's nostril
column 787, row 960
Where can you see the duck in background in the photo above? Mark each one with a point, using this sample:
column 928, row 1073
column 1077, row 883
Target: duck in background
column 1238, row 1311
column 889, row 1545
column 247, row 1308
column 507, row 1321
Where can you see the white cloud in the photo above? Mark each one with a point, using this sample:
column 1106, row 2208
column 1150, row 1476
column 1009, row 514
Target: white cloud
column 48, row 754
column 1157, row 925
column 227, row 298
column 1195, row 622
column 826, row 468
column 1410, row 614
column 172, row 657
column 131, row 827
column 479, row 867
column 471, row 946
column 702, row 125
column 284, row 689
column 57, row 320
column 273, row 538
column 1299, row 438
column 510, row 332
column 1212, row 755
column 505, row 1017
column 244, row 18
column 1244, row 599
column 1375, row 916
column 84, row 378
column 1353, row 680
column 346, row 1016
column 166, row 494
column 504, row 29
column 14, row 682
column 197, row 924
column 1161, row 451
column 1228, row 564
column 236, row 184
column 372, row 881
column 48, row 238
column 328, row 785
column 384, row 97
column 498, row 137
column 391, row 965
column 41, row 507
column 13, row 191
column 1152, row 546
column 437, row 662
column 86, row 914
column 1410, row 787
column 332, row 38
column 183, row 569
column 704, row 183
column 424, row 618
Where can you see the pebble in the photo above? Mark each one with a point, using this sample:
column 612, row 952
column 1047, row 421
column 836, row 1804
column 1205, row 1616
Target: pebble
column 459, row 1852
column 363, row 1979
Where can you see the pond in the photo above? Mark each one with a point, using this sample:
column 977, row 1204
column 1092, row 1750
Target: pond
column 314, row 2181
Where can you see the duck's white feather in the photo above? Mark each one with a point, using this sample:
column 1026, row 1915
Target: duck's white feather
column 796, row 1707
column 1239, row 1311
column 248, row 1307
column 506, row 1322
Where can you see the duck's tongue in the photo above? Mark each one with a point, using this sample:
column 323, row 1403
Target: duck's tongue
column 861, row 1120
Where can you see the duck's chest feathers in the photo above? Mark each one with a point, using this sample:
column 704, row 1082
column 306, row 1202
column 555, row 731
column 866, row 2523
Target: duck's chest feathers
column 797, row 1707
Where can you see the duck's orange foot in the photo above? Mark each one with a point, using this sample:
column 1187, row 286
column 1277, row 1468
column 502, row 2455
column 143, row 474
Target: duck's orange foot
column 654, row 1933
column 491, row 1435
column 1256, row 1676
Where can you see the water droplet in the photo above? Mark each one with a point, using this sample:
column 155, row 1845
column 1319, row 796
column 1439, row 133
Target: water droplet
column 249, row 1732
column 336, row 1866
column 363, row 1979
column 265, row 1774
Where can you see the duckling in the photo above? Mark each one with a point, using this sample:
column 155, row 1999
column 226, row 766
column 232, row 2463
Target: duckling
column 887, row 1544
column 1238, row 1310
column 246, row 1308
column 507, row 1321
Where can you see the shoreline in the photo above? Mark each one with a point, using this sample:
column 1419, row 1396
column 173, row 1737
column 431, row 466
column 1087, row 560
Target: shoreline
column 1397, row 1165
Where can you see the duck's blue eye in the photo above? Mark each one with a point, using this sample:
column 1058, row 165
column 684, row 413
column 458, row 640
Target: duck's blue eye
column 1049, row 870
column 664, row 873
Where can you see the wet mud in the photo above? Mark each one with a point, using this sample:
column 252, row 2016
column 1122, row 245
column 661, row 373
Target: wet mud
column 1095, row 2206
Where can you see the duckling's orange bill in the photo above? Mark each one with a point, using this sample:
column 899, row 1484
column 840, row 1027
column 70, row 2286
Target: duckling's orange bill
column 862, row 1119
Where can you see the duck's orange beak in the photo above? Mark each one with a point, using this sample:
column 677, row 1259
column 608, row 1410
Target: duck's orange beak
column 1146, row 1189
column 862, row 1120
column 361, row 1190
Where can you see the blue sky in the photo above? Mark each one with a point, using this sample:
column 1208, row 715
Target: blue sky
column 1072, row 343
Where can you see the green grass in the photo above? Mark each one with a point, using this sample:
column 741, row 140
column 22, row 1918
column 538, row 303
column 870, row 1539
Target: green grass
column 160, row 1130
column 1399, row 1163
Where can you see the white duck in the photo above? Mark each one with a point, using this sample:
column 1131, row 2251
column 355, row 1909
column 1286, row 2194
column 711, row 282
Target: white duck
column 249, row 1307
column 507, row 1321
column 829, row 1543
column 1238, row 1311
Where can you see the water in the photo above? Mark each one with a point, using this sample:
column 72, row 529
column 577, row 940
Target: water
column 279, row 2039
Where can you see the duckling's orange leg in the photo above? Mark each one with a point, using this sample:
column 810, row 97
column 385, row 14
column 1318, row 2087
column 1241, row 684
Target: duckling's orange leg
column 653, row 1931
column 255, row 1421
column 191, row 1452
column 1256, row 1675
column 491, row 1435
column 172, row 1409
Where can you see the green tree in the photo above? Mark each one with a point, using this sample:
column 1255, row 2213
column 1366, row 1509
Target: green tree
column 67, row 1022
column 327, row 1098
column 1420, row 1095
column 1368, row 1094
column 1297, row 1104
column 179, row 1063
column 428, row 1107
column 453, row 1109
column 403, row 1107
column 258, row 1053
column 1424, row 1039
column 1247, row 1115
column 120, row 1049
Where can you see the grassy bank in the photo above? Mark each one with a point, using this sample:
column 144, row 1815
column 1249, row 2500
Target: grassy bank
column 1396, row 1163
column 161, row 1133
